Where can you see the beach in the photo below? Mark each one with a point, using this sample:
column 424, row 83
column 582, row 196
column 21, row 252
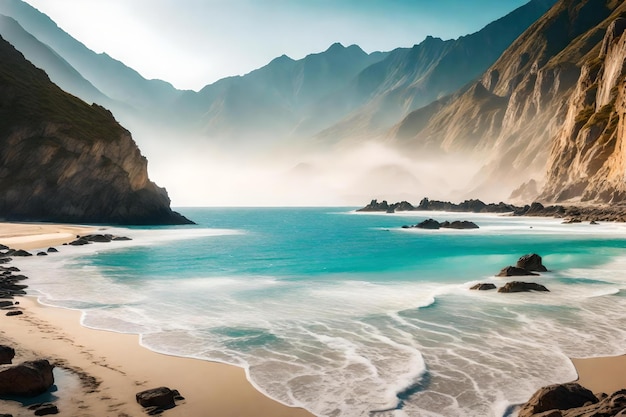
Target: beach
column 102, row 371
column 99, row 372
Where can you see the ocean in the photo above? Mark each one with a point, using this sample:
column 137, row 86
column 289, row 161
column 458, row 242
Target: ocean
column 348, row 314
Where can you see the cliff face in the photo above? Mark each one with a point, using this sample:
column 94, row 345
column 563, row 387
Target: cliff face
column 509, row 119
column 588, row 158
column 63, row 160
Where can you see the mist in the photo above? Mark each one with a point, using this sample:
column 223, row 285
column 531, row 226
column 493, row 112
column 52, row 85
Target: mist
column 197, row 173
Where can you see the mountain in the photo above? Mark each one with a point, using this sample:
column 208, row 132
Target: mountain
column 275, row 100
column 150, row 99
column 509, row 119
column 43, row 56
column 63, row 160
column 410, row 78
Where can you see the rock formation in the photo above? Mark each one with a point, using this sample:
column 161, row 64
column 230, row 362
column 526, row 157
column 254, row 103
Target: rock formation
column 63, row 160
column 29, row 378
column 531, row 262
column 518, row 286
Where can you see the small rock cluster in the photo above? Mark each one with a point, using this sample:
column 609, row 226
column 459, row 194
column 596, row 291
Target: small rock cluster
column 526, row 265
column 434, row 225
column 573, row 400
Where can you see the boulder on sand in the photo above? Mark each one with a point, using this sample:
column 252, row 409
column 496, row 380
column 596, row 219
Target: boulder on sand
column 7, row 353
column 161, row 397
column 27, row 379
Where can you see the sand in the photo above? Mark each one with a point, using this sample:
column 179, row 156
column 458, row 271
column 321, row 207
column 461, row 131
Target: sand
column 602, row 374
column 98, row 373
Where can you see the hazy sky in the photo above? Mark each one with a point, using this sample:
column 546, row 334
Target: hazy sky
column 191, row 43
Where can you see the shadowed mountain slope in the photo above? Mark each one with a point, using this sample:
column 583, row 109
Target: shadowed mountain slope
column 64, row 160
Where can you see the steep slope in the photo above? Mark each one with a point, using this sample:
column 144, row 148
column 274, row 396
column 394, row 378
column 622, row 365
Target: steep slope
column 509, row 117
column 588, row 157
column 63, row 160
column 56, row 67
column 411, row 78
column 152, row 98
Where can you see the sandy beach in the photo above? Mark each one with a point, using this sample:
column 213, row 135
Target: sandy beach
column 98, row 373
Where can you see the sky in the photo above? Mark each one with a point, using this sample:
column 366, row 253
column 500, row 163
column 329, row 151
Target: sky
column 192, row 43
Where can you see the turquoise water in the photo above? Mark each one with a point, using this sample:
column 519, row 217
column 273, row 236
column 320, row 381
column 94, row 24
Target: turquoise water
column 349, row 314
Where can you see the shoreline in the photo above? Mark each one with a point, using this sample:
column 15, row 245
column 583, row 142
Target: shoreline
column 99, row 372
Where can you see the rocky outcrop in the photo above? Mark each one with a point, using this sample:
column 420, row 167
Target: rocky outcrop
column 531, row 262
column 28, row 379
column 156, row 400
column 509, row 118
column 513, row 271
column 483, row 287
column 518, row 286
column 560, row 397
column 63, row 160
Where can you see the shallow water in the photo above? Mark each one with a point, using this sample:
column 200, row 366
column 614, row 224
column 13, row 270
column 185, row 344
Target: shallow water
column 349, row 314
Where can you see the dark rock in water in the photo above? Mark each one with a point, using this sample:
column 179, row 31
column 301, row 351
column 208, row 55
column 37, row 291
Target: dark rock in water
column 3, row 247
column 44, row 409
column 52, row 250
column 12, row 269
column 557, row 397
column 79, row 242
column 5, row 260
column 531, row 262
column 429, row 224
column 15, row 313
column 21, row 252
column 42, row 254
column 4, row 304
column 518, row 286
column 513, row 271
column 374, row 205
column 7, row 353
column 98, row 238
column 483, row 287
column 161, row 397
column 594, row 222
column 459, row 224
column 27, row 379
column 120, row 238
column 571, row 221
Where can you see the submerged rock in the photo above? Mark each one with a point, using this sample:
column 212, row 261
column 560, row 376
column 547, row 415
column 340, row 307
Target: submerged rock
column 429, row 224
column 459, row 224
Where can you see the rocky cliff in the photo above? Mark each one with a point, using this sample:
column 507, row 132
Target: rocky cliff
column 510, row 117
column 63, row 160
column 588, row 157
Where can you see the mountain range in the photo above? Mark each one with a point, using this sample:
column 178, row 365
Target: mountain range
column 532, row 102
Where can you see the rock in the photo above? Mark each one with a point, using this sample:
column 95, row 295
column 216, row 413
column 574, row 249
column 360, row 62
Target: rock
column 608, row 405
column 458, row 224
column 531, row 262
column 557, row 397
column 7, row 353
column 513, row 271
column 161, row 397
column 483, row 287
column 428, row 224
column 15, row 313
column 3, row 247
column 518, row 286
column 79, row 242
column 42, row 254
column 21, row 252
column 52, row 250
column 119, row 238
column 5, row 304
column 593, row 222
column 98, row 238
column 27, row 379
column 44, row 409
column 5, row 260
column 571, row 221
